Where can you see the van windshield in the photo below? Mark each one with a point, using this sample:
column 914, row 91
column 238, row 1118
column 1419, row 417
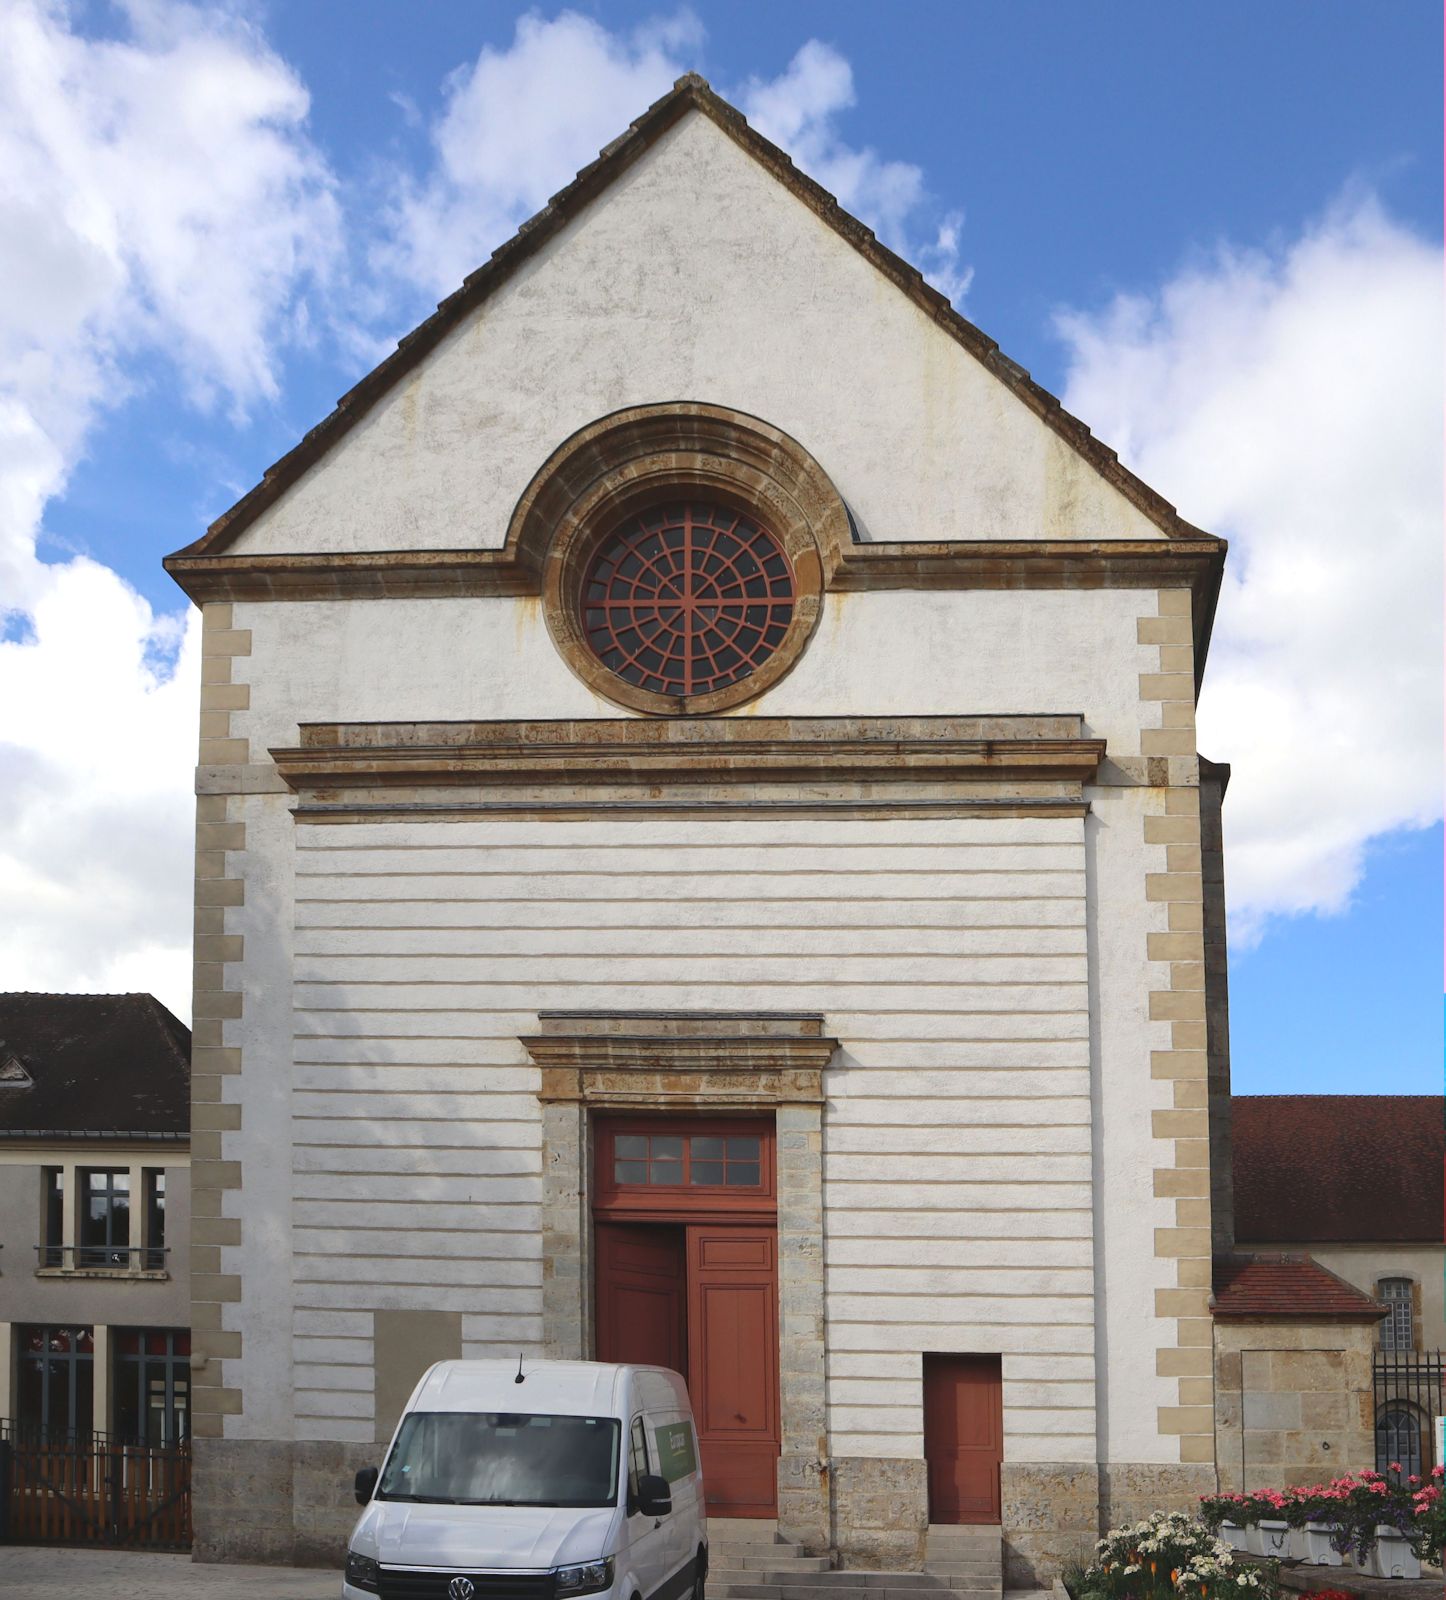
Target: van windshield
column 499, row 1458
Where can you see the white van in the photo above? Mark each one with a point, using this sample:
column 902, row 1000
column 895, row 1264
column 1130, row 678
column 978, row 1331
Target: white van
column 537, row 1480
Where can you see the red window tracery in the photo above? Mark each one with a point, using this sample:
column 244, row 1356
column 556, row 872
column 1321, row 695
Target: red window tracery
column 688, row 598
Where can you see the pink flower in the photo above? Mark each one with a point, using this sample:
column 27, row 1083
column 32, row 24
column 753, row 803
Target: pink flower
column 1393, row 1466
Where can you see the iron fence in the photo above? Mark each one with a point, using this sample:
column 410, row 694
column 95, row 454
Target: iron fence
column 1408, row 1390
column 92, row 1488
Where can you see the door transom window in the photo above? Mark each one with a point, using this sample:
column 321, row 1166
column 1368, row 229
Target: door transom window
column 732, row 1161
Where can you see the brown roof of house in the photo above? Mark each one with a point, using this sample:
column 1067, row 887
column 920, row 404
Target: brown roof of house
column 689, row 93
column 1288, row 1286
column 1332, row 1168
column 97, row 1065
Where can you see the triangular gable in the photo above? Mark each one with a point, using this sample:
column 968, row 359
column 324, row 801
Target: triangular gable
column 13, row 1074
column 690, row 93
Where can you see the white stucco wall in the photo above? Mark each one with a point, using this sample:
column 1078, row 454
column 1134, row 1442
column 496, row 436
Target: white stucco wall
column 950, row 957
column 1126, row 1153
column 698, row 276
column 1015, row 1213
column 890, row 653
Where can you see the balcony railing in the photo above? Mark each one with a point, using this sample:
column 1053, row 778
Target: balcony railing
column 102, row 1257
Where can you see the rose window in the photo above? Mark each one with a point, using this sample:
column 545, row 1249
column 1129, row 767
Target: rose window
column 685, row 599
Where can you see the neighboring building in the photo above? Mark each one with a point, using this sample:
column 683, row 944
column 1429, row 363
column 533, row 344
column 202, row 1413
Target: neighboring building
column 700, row 857
column 1354, row 1184
column 94, row 1200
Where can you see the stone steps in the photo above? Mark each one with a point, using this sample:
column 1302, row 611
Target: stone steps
column 763, row 1558
column 883, row 1586
column 749, row 1561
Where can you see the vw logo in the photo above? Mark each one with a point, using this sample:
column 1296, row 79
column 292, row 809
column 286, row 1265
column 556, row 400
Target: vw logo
column 461, row 1589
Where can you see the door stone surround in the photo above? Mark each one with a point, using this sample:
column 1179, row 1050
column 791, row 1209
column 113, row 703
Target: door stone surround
column 691, row 1061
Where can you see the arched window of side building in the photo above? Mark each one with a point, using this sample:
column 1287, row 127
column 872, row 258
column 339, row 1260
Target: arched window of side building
column 1399, row 1437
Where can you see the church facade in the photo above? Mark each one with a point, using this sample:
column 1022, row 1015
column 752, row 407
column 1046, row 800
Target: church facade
column 699, row 859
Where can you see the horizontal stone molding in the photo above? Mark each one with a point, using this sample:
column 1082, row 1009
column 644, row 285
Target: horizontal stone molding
column 893, row 564
column 933, row 765
column 679, row 1061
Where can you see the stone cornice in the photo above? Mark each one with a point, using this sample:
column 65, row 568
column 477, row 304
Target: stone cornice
column 898, row 564
column 875, row 763
column 673, row 1060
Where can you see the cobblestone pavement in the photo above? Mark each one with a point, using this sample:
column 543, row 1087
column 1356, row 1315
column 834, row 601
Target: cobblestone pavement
column 28, row 1572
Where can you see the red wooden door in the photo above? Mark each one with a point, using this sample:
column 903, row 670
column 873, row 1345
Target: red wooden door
column 963, row 1437
column 641, row 1295
column 733, row 1365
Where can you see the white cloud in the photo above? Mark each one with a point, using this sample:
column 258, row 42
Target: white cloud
column 160, row 196
column 1291, row 399
column 518, row 124
column 798, row 110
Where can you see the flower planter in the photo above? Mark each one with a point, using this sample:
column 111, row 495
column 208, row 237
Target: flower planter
column 1391, row 1556
column 1274, row 1539
column 1318, row 1549
column 1233, row 1534
column 1253, row 1539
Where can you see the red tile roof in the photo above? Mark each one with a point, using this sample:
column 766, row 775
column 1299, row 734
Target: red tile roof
column 1287, row 1286
column 1330, row 1168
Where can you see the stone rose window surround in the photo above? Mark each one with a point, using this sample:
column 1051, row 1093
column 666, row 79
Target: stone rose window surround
column 736, row 497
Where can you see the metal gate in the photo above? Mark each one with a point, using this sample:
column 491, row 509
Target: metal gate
column 92, row 1489
column 1408, row 1390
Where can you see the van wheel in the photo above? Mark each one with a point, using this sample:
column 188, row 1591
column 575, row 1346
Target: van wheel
column 700, row 1582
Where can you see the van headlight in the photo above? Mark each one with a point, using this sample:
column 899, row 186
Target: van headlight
column 363, row 1573
column 588, row 1578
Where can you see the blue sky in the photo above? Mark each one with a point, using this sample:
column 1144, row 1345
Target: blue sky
column 1139, row 193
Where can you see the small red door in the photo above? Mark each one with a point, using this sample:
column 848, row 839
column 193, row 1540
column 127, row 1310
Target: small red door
column 733, row 1365
column 963, row 1437
column 641, row 1289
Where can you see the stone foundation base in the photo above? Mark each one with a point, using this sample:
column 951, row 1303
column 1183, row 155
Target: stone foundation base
column 1050, row 1515
column 880, row 1512
column 288, row 1504
column 1130, row 1491
column 803, row 1503
column 274, row 1502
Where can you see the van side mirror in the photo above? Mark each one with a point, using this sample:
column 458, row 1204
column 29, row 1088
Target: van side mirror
column 366, row 1482
column 655, row 1498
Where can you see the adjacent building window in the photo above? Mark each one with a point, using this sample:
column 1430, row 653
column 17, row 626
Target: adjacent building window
column 155, row 1251
column 52, row 1195
column 54, row 1391
column 105, row 1217
column 1397, row 1331
column 152, row 1371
